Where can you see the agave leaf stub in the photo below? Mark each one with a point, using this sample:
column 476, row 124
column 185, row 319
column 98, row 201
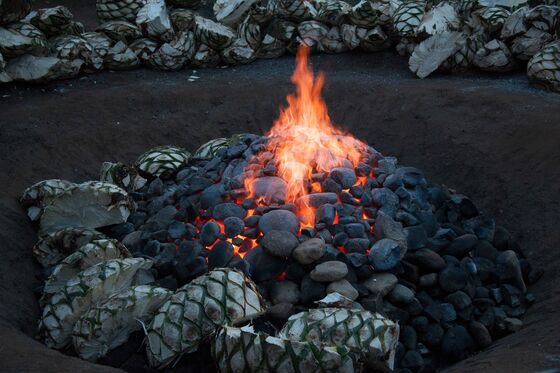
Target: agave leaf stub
column 543, row 68
column 89, row 287
column 110, row 323
column 92, row 204
column 243, row 350
column 193, row 313
column 371, row 335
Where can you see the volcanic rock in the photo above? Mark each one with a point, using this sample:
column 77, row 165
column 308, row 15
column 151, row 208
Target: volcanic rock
column 461, row 246
column 457, row 343
column 441, row 312
column 412, row 359
column 329, row 271
column 279, row 220
column 209, row 233
column 263, row 266
column 281, row 312
column 309, row 251
column 343, row 287
column 284, row 292
column 387, row 200
column 385, row 254
column 386, row 227
column 346, row 177
column 316, row 200
column 226, row 210
column 311, row 291
column 381, row 283
column 271, row 189
column 233, row 226
column 508, row 269
column 400, row 295
column 428, row 280
column 279, row 243
column 427, row 260
column 220, row 255
column 452, row 278
column 480, row 334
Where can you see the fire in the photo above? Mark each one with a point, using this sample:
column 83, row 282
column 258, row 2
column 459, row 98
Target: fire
column 304, row 140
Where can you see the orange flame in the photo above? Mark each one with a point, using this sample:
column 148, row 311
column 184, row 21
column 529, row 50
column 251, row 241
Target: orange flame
column 304, row 140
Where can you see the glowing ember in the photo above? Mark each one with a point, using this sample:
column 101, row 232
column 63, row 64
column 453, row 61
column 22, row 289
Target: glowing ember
column 304, row 141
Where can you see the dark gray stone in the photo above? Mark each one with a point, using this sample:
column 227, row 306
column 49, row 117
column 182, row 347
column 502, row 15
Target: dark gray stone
column 281, row 312
column 325, row 214
column 220, row 255
column 209, row 233
column 381, row 283
column 233, row 226
column 457, row 343
column 279, row 243
column 311, row 291
column 412, row 359
column 400, row 295
column 284, row 292
column 309, row 251
column 386, row 200
column 452, row 278
column 432, row 335
column 177, row 229
column 428, row 280
column 462, row 245
column 343, row 287
column 386, row 227
column 355, row 230
column 508, row 269
column 329, row 271
column 226, row 210
column 416, row 237
column 441, row 312
column 264, row 266
column 408, row 337
column 385, row 254
column 346, row 177
column 480, row 334
column 427, row 260
column 270, row 189
column 279, row 220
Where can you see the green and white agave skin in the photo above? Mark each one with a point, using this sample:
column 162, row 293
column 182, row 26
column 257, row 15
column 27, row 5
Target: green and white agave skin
column 162, row 161
column 543, row 69
column 52, row 21
column 494, row 56
column 34, row 197
column 408, row 16
column 22, row 38
column 215, row 35
column 294, row 10
column 100, row 42
column 115, row 10
column 271, row 47
column 71, row 47
column 120, row 57
column 331, row 12
column 370, row 335
column 120, row 30
column 110, row 323
column 364, row 14
column 221, row 297
column 90, row 254
column 92, row 204
column 88, row 288
column 211, row 148
column 238, row 350
column 122, row 175
column 232, row 12
column 53, row 248
column 205, row 57
column 174, row 55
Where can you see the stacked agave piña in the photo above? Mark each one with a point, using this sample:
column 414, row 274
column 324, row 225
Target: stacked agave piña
column 195, row 311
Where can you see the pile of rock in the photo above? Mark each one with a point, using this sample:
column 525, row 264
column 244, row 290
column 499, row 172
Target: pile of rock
column 383, row 240
column 451, row 36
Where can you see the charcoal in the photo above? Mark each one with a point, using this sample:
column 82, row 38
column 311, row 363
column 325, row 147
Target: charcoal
column 279, row 220
column 416, row 237
column 209, row 233
column 221, row 253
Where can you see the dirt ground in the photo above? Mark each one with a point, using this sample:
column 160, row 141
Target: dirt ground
column 490, row 137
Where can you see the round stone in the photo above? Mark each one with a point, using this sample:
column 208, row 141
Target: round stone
column 385, row 254
column 233, row 226
column 279, row 220
column 284, row 292
column 225, row 210
column 343, row 176
column 452, row 278
column 457, row 343
column 329, row 271
column 343, row 287
column 309, row 251
column 400, row 295
column 381, row 283
column 209, row 233
column 427, row 259
column 279, row 243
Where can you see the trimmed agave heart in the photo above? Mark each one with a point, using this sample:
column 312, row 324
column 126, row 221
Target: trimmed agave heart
column 110, row 323
column 195, row 311
column 120, row 30
column 175, row 54
column 215, row 35
column 52, row 21
column 243, row 350
column 408, row 16
column 92, row 204
column 205, row 57
column 53, row 248
column 143, row 48
column 100, row 42
column 120, row 57
column 88, row 288
column 153, row 20
column 22, row 38
column 543, row 69
column 232, row 12
column 182, row 19
column 86, row 256
column 271, row 47
column 210, row 148
column 162, row 161
column 5, row 78
column 35, row 197
column 494, row 56
column 118, row 10
column 370, row 335
column 70, row 47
